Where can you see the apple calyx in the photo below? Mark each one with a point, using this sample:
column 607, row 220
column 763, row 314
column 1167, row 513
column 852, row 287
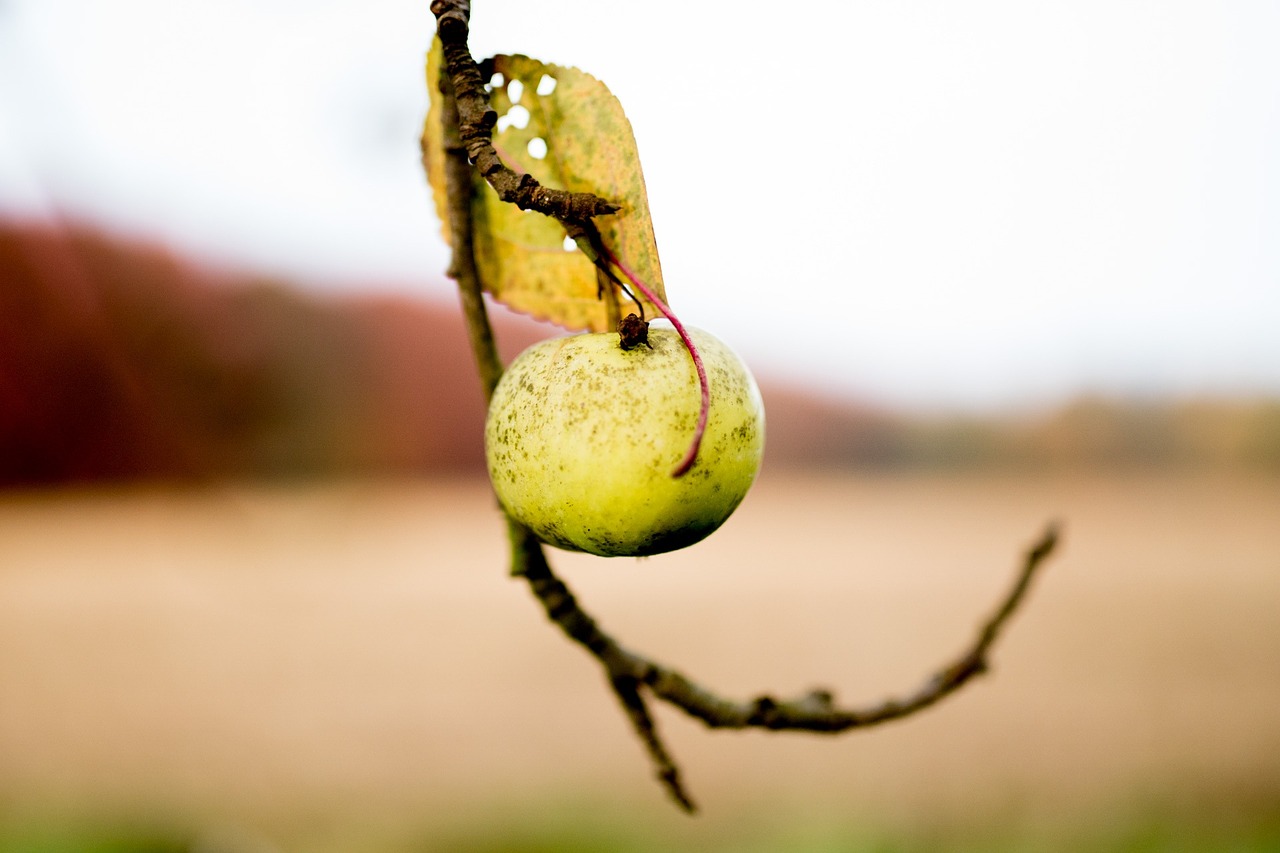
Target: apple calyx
column 633, row 332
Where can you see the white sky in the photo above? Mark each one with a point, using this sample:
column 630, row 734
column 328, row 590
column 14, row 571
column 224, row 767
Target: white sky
column 925, row 203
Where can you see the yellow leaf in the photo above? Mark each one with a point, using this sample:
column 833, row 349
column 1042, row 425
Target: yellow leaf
column 566, row 129
column 433, row 138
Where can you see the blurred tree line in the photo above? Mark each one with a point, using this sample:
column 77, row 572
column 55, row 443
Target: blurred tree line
column 120, row 361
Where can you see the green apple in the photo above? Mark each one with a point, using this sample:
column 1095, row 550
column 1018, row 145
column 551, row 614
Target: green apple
column 582, row 437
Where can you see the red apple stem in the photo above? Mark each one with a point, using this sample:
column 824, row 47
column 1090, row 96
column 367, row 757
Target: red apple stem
column 703, row 385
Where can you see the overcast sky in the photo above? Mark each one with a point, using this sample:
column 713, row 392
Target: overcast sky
column 925, row 203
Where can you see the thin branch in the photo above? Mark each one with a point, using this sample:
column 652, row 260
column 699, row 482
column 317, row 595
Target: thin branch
column 812, row 712
column 816, row 712
column 628, row 692
column 462, row 267
column 467, row 134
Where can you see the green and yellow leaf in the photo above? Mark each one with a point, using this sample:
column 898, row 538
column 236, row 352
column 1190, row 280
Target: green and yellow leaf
column 566, row 129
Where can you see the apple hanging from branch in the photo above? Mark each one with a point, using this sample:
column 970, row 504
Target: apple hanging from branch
column 591, row 445
column 583, row 436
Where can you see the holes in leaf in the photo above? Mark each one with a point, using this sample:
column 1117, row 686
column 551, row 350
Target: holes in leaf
column 497, row 81
column 570, row 245
column 515, row 91
column 546, row 85
column 537, row 148
column 517, row 117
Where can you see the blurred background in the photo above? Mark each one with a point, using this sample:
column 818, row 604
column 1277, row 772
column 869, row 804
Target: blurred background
column 993, row 265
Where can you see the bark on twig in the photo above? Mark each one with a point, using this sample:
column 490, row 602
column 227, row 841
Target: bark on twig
column 628, row 692
column 468, row 141
column 462, row 266
column 476, row 121
column 815, row 711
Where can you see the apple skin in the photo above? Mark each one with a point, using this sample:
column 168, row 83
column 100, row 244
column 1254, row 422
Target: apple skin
column 582, row 437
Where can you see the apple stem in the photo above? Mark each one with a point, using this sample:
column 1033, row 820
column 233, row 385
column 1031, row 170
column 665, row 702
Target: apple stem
column 704, row 386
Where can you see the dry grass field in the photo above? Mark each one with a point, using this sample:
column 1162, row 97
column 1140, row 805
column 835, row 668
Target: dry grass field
column 347, row 667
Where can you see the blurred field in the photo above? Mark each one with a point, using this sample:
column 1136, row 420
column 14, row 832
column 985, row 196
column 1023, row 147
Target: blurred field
column 346, row 667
